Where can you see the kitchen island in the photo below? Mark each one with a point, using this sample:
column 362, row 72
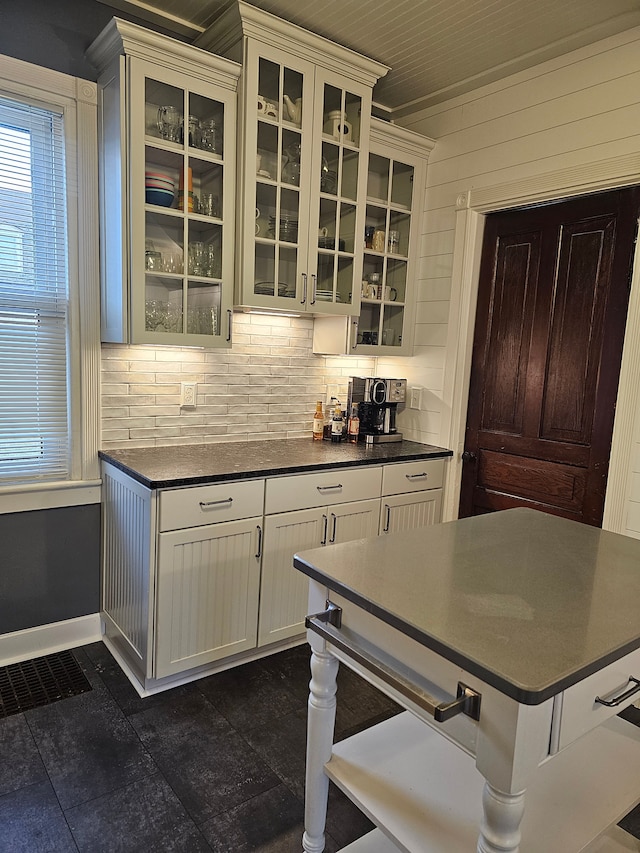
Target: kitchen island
column 513, row 641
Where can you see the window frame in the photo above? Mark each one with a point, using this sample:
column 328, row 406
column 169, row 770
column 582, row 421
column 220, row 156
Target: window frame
column 77, row 100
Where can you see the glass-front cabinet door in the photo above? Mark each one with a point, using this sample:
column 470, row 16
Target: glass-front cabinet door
column 181, row 204
column 388, row 243
column 387, row 236
column 167, row 167
column 304, row 181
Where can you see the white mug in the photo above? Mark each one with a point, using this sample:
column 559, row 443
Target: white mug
column 262, row 105
column 323, row 232
column 390, row 294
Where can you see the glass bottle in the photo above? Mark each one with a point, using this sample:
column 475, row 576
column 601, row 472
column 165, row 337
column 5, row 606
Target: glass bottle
column 318, row 422
column 354, row 424
column 337, row 422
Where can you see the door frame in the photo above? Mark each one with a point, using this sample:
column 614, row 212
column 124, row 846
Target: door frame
column 472, row 208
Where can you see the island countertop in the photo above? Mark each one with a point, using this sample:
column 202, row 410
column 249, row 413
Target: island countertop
column 529, row 602
column 194, row 464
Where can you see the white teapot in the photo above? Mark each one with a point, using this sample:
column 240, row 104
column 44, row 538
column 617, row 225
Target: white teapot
column 294, row 109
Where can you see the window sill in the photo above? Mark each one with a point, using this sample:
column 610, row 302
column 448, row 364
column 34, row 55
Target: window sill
column 48, row 495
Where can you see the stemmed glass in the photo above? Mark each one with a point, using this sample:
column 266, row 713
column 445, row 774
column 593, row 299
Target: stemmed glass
column 169, row 123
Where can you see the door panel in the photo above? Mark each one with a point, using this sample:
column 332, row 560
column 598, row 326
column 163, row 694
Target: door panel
column 552, row 302
column 510, row 331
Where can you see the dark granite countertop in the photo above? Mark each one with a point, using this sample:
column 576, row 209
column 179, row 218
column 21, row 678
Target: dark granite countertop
column 193, row 464
column 528, row 602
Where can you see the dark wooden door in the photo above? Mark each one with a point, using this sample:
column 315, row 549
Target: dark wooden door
column 552, row 304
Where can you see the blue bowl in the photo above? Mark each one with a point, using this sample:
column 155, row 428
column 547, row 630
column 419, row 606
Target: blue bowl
column 161, row 197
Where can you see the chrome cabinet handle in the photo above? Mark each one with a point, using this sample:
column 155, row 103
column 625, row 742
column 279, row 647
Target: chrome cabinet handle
column 332, row 538
column 259, row 551
column 207, row 504
column 422, row 476
column 325, row 521
column 467, row 701
column 304, row 288
column 613, row 703
column 314, row 284
column 329, row 488
column 387, row 518
column 355, row 334
column 230, row 318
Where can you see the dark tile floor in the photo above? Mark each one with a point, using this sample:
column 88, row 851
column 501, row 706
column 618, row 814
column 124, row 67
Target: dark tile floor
column 217, row 765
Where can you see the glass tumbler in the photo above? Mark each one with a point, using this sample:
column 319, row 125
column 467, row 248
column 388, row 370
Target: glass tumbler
column 196, row 258
column 169, row 119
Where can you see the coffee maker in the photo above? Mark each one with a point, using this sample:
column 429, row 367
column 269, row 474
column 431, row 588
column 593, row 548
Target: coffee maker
column 377, row 400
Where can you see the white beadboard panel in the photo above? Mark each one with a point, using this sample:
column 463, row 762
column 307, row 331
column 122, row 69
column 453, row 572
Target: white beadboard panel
column 634, row 490
column 127, row 554
column 208, row 582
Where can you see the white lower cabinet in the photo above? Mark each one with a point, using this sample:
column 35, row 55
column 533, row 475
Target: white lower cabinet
column 285, row 591
column 411, row 495
column 208, row 583
column 197, row 575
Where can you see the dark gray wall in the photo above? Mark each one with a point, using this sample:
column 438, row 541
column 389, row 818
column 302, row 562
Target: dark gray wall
column 49, row 566
column 56, row 33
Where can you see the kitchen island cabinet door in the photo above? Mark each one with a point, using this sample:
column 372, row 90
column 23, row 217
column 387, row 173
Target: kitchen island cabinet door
column 207, row 594
column 284, row 591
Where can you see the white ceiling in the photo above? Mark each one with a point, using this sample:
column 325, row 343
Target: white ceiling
column 435, row 48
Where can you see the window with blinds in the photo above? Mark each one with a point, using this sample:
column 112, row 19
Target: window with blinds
column 34, row 395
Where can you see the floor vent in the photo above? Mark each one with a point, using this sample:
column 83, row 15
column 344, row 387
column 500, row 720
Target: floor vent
column 40, row 681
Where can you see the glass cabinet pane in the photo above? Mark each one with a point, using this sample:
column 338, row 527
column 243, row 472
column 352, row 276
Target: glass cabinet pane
column 402, row 185
column 184, row 194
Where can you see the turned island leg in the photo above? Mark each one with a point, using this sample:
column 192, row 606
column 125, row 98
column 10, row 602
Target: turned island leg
column 500, row 830
column 320, row 725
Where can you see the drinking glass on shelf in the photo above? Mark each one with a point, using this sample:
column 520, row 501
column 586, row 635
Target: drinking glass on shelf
column 193, row 131
column 172, row 262
column 208, row 135
column 196, row 258
column 210, row 261
column 169, row 119
column 209, row 205
column 394, row 242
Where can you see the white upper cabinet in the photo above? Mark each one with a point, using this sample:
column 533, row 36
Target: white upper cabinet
column 167, row 189
column 389, row 243
column 305, row 116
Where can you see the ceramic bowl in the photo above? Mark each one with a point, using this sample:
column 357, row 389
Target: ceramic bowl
column 162, row 197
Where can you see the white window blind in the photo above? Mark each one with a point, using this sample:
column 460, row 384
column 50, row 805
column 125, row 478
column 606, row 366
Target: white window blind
column 34, row 397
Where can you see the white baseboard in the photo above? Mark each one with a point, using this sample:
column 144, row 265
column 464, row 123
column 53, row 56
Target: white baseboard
column 47, row 639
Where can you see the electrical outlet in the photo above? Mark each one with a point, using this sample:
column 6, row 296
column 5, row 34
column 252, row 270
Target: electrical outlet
column 415, row 397
column 188, row 395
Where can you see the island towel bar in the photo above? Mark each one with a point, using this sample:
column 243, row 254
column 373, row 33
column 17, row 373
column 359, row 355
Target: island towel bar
column 467, row 701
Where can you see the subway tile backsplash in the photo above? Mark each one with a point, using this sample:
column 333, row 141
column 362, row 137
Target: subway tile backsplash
column 264, row 387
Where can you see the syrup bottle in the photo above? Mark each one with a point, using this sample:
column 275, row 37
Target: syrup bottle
column 318, row 422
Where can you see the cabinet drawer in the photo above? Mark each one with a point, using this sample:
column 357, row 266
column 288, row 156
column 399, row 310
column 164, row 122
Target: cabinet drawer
column 192, row 507
column 329, row 487
column 412, row 476
column 580, row 711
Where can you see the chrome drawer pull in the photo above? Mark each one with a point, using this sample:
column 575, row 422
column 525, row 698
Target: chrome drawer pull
column 422, row 476
column 207, row 504
column 612, row 703
column 329, row 488
column 467, row 701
